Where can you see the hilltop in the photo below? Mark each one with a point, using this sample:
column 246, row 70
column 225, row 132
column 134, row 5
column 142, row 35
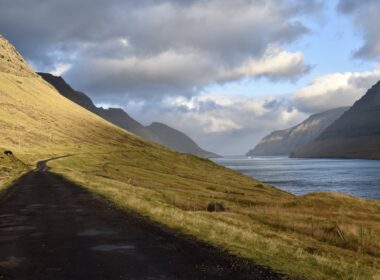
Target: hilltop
column 284, row 142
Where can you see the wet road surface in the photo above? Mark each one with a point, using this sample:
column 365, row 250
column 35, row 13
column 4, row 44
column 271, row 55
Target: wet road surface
column 52, row 229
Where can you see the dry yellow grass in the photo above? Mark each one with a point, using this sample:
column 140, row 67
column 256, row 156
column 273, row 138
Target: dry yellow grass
column 296, row 235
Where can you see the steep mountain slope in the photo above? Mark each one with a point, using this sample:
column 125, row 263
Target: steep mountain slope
column 283, row 142
column 36, row 120
column 356, row 134
column 177, row 140
column 113, row 115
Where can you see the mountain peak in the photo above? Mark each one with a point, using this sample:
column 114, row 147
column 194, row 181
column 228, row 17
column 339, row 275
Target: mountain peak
column 158, row 124
column 12, row 62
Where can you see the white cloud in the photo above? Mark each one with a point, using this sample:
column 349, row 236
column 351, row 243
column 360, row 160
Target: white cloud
column 224, row 124
column 335, row 90
column 275, row 63
column 176, row 73
column 60, row 69
column 234, row 124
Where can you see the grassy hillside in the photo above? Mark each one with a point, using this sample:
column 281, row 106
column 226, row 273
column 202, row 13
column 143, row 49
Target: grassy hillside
column 318, row 236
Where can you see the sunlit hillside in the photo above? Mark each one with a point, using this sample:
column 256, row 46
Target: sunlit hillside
column 318, row 236
column 36, row 120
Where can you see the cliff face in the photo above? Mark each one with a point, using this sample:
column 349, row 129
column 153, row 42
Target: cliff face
column 161, row 134
column 284, row 142
column 356, row 134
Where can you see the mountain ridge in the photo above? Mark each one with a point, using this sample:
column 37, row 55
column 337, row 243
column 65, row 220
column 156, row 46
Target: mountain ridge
column 356, row 134
column 284, row 142
column 122, row 119
column 182, row 142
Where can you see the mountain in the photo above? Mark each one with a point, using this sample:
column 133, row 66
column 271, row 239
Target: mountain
column 284, row 142
column 177, row 140
column 114, row 115
column 356, row 134
column 36, row 121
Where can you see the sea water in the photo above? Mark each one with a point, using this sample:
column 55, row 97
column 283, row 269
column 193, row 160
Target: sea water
column 300, row 176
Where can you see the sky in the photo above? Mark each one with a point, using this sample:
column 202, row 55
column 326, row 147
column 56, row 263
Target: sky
column 224, row 72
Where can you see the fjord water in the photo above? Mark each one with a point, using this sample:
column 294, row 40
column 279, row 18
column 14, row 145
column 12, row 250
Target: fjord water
column 300, row 176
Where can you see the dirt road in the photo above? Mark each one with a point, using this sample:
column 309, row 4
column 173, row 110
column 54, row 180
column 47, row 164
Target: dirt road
column 52, row 229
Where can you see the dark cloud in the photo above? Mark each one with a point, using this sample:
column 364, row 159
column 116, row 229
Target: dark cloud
column 365, row 17
column 145, row 48
column 156, row 57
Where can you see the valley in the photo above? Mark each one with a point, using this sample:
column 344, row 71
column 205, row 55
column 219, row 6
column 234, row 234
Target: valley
column 315, row 236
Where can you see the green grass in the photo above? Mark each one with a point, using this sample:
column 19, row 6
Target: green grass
column 295, row 235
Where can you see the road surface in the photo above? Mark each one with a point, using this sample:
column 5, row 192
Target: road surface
column 52, row 229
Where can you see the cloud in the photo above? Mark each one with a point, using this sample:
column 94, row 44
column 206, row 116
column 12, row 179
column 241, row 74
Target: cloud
column 365, row 17
column 224, row 124
column 274, row 64
column 334, row 90
column 156, row 58
column 234, row 124
column 172, row 73
column 60, row 68
column 143, row 49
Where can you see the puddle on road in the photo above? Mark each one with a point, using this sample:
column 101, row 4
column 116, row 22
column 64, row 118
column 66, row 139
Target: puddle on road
column 113, row 248
column 96, row 232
